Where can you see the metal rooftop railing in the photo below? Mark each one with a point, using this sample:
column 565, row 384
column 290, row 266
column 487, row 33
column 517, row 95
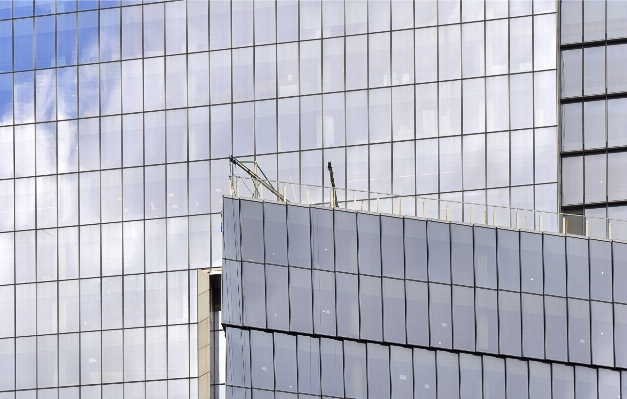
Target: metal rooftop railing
column 435, row 208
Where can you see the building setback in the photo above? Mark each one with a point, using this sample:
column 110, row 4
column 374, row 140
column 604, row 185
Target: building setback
column 118, row 117
column 338, row 303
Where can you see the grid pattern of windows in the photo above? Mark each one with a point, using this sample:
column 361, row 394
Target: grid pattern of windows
column 263, row 362
column 482, row 289
column 409, row 98
column 593, row 107
column 117, row 118
column 377, row 281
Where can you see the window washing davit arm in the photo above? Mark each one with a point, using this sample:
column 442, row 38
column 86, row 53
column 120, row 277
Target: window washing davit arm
column 334, row 203
column 257, row 180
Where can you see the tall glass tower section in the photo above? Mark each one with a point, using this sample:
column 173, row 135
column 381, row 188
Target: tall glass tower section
column 594, row 108
column 117, row 119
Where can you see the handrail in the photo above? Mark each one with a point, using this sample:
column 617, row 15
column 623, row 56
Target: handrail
column 436, row 208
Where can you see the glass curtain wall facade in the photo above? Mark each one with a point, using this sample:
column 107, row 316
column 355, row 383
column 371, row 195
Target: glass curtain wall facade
column 322, row 303
column 117, row 118
column 594, row 107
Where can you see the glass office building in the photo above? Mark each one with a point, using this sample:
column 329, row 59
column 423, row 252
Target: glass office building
column 117, row 118
column 326, row 303
column 594, row 105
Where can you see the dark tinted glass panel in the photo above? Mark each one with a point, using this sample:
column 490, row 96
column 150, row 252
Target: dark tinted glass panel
column 554, row 265
column 510, row 323
column 602, row 333
column 277, row 297
column 392, row 247
column 355, row 369
column 309, row 365
column 275, row 234
column 508, row 260
column 572, row 65
column 346, row 242
column 556, row 337
column 563, row 382
column 440, row 315
column 370, row 306
column 285, row 362
column 577, row 257
column 485, row 257
column 609, row 384
column 262, row 368
column 231, row 229
column 572, row 127
column 616, row 74
column 620, row 335
column 620, row 271
column 347, row 305
column 586, row 382
column 254, row 295
column 593, row 20
column 439, row 252
column 448, row 375
column 324, row 302
column 417, row 311
column 531, row 262
column 299, row 249
column 252, row 230
column 378, row 371
column 231, row 293
column 571, row 21
column 369, row 244
column 416, row 249
column 533, row 326
column 539, row 380
column 487, row 321
column 424, row 374
column 579, row 331
column 301, row 303
column 394, row 310
column 461, row 255
column 322, row 239
column 238, row 358
column 517, row 379
column 494, row 378
column 594, row 69
column 401, row 372
column 332, row 366
column 471, row 381
column 464, row 318
column 259, row 394
column 600, row 270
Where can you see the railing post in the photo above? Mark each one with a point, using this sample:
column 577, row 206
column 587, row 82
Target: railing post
column 378, row 206
column 447, row 212
column 308, row 203
column 586, row 228
column 609, row 230
column 517, row 221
